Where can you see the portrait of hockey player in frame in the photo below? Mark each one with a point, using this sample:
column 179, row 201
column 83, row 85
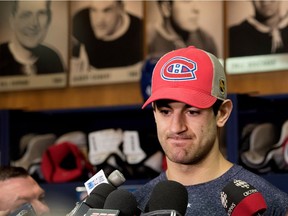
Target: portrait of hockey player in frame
column 33, row 44
column 175, row 24
column 107, row 42
column 257, row 37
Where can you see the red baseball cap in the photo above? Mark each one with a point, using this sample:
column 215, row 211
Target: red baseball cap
column 189, row 75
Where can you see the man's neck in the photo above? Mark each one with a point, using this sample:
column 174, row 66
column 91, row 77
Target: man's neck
column 271, row 22
column 198, row 173
column 21, row 54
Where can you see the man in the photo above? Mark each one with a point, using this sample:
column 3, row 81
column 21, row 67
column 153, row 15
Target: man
column 107, row 36
column 265, row 33
column 180, row 28
column 18, row 188
column 190, row 107
column 24, row 54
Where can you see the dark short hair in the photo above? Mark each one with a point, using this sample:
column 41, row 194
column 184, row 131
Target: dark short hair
column 14, row 7
column 7, row 172
column 216, row 106
column 161, row 1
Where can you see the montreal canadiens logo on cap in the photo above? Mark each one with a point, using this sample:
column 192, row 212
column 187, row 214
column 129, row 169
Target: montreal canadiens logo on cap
column 179, row 68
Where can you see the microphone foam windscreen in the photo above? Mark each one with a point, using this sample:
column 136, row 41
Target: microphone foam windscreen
column 98, row 195
column 240, row 198
column 122, row 200
column 168, row 195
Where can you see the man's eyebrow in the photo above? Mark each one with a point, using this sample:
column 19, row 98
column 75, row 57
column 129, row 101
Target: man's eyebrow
column 22, row 198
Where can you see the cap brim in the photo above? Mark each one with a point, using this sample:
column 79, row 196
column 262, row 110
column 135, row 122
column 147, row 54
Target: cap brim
column 191, row 97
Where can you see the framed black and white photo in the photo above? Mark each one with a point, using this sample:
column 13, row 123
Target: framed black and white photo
column 107, row 42
column 184, row 23
column 33, row 44
column 257, row 34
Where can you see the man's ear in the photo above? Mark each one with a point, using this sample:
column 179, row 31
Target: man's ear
column 224, row 112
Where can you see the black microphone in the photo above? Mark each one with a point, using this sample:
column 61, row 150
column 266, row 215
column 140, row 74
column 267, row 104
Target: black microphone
column 167, row 198
column 122, row 200
column 96, row 199
column 240, row 198
column 119, row 202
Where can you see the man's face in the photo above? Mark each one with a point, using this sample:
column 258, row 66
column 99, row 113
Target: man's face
column 30, row 23
column 266, row 9
column 185, row 14
column 105, row 17
column 20, row 190
column 187, row 134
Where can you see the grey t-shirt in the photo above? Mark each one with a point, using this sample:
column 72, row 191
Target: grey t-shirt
column 204, row 199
